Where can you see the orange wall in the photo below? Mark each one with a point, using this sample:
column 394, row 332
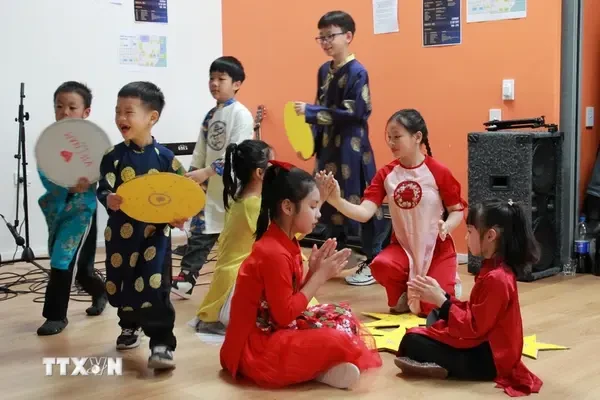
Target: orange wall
column 454, row 87
column 590, row 96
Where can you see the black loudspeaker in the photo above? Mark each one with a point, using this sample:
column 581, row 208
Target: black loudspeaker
column 525, row 166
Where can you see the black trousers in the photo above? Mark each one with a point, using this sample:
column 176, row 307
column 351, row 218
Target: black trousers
column 157, row 321
column 198, row 248
column 58, row 291
column 374, row 236
column 474, row 364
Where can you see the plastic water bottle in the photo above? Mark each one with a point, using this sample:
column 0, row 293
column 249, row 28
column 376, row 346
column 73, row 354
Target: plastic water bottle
column 582, row 249
column 582, row 229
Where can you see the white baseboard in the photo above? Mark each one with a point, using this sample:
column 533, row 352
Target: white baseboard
column 462, row 258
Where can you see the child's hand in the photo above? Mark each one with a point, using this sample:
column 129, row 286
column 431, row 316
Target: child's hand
column 178, row 223
column 199, row 175
column 300, row 107
column 428, row 290
column 333, row 188
column 322, row 178
column 317, row 255
column 82, row 186
column 330, row 265
column 443, row 228
column 113, row 201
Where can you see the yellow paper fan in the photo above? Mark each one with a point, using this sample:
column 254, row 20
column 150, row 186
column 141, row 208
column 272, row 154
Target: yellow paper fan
column 161, row 198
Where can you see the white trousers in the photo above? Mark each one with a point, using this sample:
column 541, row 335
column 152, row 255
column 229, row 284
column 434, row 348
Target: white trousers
column 226, row 309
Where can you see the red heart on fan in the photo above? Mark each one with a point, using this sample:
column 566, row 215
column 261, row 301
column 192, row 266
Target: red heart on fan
column 66, row 155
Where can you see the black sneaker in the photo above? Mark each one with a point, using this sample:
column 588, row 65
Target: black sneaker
column 52, row 327
column 210, row 327
column 98, row 305
column 183, row 285
column 180, row 250
column 161, row 358
column 129, row 339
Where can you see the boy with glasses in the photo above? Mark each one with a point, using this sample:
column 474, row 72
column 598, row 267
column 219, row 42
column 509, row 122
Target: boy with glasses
column 340, row 129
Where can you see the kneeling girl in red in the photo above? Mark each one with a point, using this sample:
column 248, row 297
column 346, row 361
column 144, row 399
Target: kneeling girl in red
column 479, row 339
column 272, row 338
column 421, row 192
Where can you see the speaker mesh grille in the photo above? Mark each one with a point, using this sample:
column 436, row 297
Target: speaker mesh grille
column 527, row 168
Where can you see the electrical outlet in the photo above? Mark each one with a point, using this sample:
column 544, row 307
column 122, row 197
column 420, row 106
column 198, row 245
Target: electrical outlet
column 16, row 178
column 508, row 89
column 589, row 117
column 495, row 114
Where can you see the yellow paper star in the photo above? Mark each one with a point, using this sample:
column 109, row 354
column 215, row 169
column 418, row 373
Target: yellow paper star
column 388, row 340
column 531, row 346
column 313, row 302
column 406, row 321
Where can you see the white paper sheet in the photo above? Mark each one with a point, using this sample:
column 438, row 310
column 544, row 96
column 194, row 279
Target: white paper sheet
column 385, row 16
column 494, row 10
column 149, row 51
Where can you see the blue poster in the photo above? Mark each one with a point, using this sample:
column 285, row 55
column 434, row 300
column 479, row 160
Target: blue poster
column 151, row 11
column 441, row 23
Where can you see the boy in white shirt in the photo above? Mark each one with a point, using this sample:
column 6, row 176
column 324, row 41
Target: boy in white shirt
column 228, row 122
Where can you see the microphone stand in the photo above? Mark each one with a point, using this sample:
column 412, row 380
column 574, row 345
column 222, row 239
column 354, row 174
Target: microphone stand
column 27, row 254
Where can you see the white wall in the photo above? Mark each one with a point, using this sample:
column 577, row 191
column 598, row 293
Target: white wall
column 47, row 42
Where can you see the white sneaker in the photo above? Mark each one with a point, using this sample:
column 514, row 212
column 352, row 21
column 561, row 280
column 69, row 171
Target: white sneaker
column 183, row 285
column 362, row 276
column 342, row 376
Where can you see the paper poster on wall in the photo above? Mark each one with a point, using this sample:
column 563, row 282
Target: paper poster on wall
column 385, row 16
column 494, row 10
column 441, row 23
column 151, row 11
column 143, row 51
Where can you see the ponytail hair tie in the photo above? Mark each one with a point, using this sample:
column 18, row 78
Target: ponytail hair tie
column 282, row 164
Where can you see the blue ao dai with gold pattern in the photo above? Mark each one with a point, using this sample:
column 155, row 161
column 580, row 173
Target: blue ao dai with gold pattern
column 135, row 251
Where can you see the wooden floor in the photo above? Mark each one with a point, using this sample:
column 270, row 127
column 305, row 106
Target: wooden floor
column 559, row 310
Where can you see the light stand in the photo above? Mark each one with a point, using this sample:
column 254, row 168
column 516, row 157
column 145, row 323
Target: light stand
column 21, row 156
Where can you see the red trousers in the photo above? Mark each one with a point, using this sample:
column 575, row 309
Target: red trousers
column 390, row 270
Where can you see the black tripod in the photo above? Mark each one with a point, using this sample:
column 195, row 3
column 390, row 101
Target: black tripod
column 21, row 156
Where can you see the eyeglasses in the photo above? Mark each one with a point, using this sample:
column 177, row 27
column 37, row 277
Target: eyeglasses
column 328, row 38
